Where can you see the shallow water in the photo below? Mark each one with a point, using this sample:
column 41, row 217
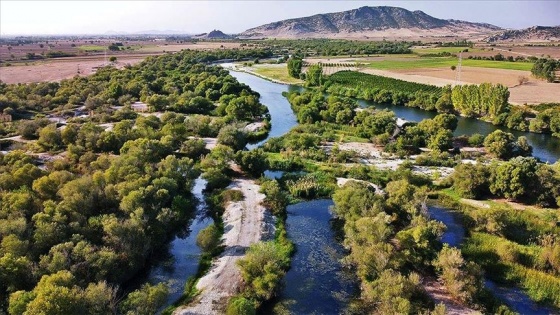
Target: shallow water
column 514, row 297
column 184, row 254
column 545, row 147
column 317, row 283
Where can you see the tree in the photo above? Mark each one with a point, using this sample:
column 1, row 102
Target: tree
column 471, row 181
column 262, row 269
column 515, row 179
column 314, row 76
column 294, row 67
column 233, row 137
column 112, row 59
column 441, row 141
column 50, row 138
column 208, row 238
column 499, row 143
column 252, row 162
column 146, row 300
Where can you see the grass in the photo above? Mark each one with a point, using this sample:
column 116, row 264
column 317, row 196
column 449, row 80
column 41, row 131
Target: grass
column 92, row 48
column 437, row 50
column 444, row 62
column 276, row 72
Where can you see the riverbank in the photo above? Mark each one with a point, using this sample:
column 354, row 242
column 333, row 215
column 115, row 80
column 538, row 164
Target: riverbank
column 245, row 223
column 249, row 70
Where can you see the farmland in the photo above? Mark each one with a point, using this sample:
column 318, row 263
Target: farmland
column 441, row 62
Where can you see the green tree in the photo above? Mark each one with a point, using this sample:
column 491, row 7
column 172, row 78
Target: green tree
column 314, row 76
column 50, row 138
column 252, row 162
column 233, row 137
column 294, row 67
column 471, row 181
column 515, row 179
column 501, row 144
column 208, row 238
column 146, row 300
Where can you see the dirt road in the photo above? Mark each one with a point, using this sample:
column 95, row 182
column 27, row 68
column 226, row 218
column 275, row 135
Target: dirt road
column 245, row 223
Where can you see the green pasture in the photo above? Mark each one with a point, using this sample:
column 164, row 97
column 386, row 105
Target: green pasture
column 446, row 62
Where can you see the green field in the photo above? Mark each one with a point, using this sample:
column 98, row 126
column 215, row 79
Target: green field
column 92, row 48
column 275, row 72
column 443, row 62
column 437, row 50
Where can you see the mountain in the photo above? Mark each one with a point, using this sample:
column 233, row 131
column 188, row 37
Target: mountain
column 369, row 22
column 531, row 34
column 215, row 34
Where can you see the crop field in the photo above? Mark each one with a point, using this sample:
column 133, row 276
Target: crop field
column 275, row 72
column 437, row 50
column 351, row 78
column 92, row 48
column 444, row 62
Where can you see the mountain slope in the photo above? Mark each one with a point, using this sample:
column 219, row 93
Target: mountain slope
column 531, row 34
column 367, row 21
column 215, row 34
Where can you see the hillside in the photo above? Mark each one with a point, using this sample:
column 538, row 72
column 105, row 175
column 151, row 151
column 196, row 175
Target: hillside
column 368, row 22
column 215, row 34
column 531, row 34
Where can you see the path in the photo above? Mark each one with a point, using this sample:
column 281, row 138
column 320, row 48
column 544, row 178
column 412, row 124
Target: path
column 245, row 222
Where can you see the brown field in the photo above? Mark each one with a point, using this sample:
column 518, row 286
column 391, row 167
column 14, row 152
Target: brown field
column 533, row 92
column 18, row 52
column 58, row 69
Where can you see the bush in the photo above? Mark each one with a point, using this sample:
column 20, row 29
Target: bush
column 240, row 306
column 208, row 238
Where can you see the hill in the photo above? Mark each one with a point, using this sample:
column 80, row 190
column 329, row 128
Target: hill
column 531, row 34
column 215, row 34
column 366, row 22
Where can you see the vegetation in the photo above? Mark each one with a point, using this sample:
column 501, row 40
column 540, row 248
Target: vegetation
column 545, row 69
column 75, row 230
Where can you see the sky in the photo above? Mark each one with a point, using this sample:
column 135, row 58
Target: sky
column 22, row 17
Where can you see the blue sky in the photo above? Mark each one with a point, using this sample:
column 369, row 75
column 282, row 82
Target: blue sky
column 98, row 17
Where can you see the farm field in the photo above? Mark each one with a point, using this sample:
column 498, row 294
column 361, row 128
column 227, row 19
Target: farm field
column 58, row 69
column 439, row 62
column 277, row 72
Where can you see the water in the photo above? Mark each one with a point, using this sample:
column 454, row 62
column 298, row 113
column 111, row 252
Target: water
column 183, row 251
column 514, row 297
column 273, row 174
column 455, row 232
column 316, row 283
column 282, row 116
column 545, row 147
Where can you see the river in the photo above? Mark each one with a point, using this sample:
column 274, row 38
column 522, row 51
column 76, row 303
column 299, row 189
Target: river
column 184, row 254
column 316, row 283
column 545, row 147
column 309, row 220
column 308, row 287
column 515, row 298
